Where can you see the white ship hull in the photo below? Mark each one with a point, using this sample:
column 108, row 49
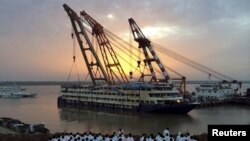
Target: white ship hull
column 219, row 92
column 14, row 92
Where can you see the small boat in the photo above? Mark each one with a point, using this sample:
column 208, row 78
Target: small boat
column 15, row 91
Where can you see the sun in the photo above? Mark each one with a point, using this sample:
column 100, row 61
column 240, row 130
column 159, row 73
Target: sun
column 110, row 16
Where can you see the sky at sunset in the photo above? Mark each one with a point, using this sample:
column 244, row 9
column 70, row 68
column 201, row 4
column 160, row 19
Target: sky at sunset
column 35, row 42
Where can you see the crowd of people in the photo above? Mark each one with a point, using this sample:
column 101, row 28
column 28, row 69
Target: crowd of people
column 120, row 136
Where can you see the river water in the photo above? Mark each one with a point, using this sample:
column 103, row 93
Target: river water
column 43, row 109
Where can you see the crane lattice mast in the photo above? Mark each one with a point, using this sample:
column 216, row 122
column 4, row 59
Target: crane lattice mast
column 91, row 66
column 113, row 67
column 145, row 44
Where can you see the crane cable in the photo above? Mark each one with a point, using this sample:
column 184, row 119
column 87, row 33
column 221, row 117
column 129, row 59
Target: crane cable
column 74, row 57
column 123, row 45
column 191, row 63
column 182, row 59
column 130, row 55
column 123, row 48
column 126, row 48
column 135, row 57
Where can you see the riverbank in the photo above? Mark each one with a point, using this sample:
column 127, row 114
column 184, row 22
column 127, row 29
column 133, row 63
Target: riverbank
column 6, row 131
column 24, row 137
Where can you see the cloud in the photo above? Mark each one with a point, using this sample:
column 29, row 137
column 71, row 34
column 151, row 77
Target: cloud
column 201, row 29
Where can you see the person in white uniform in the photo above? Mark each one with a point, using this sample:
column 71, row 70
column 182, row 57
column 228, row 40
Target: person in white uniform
column 178, row 136
column 166, row 137
column 121, row 131
column 143, row 137
column 166, row 131
column 130, row 138
column 158, row 137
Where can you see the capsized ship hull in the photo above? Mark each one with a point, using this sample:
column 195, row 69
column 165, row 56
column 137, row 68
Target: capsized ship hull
column 141, row 97
column 151, row 108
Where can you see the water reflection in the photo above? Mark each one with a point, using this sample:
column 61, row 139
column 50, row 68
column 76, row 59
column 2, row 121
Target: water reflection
column 137, row 123
column 44, row 109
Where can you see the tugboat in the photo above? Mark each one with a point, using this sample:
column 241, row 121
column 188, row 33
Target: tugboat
column 111, row 88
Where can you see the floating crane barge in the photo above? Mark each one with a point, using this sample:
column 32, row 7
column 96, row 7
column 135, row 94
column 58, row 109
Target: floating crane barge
column 111, row 87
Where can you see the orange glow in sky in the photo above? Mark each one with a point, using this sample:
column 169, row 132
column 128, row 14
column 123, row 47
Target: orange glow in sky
column 35, row 40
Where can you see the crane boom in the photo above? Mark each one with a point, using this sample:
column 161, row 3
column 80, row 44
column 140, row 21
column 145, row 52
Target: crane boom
column 91, row 66
column 110, row 59
column 145, row 44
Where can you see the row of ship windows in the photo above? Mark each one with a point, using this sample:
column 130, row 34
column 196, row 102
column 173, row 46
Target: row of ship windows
column 111, row 99
column 157, row 95
column 114, row 99
column 141, row 89
column 206, row 86
column 163, row 94
column 100, row 93
column 210, row 91
column 212, row 97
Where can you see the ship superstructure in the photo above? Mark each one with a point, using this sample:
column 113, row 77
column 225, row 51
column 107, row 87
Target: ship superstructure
column 216, row 91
